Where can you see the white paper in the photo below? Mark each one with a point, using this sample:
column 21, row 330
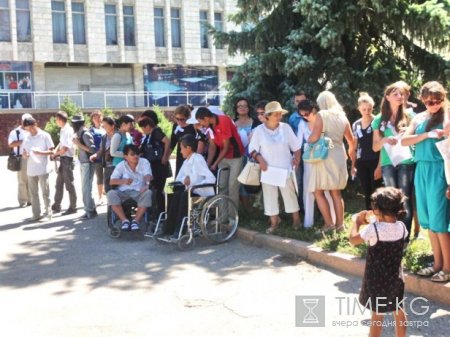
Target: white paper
column 274, row 176
column 397, row 153
column 444, row 149
column 294, row 179
column 35, row 157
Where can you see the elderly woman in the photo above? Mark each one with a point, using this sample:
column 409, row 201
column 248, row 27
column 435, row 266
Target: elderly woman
column 331, row 173
column 271, row 145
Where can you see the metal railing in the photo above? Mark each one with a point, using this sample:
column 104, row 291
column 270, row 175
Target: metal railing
column 24, row 99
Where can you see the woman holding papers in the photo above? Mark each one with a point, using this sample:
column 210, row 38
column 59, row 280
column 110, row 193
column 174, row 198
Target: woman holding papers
column 271, row 146
column 397, row 164
column 331, row 173
column 433, row 209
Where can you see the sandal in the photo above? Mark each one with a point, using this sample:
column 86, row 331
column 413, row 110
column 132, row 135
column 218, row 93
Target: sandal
column 341, row 228
column 441, row 276
column 273, row 228
column 297, row 226
column 427, row 272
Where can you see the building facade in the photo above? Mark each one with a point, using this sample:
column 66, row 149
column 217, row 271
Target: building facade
column 143, row 46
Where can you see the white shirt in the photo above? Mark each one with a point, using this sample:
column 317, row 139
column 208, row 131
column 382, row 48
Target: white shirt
column 303, row 132
column 13, row 137
column 66, row 139
column 386, row 232
column 275, row 145
column 38, row 164
column 123, row 171
column 197, row 170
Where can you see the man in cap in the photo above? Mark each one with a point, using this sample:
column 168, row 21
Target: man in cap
column 38, row 147
column 64, row 151
column 15, row 141
column 85, row 142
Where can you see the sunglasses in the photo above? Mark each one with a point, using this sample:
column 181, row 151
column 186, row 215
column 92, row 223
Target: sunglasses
column 242, row 106
column 180, row 119
column 433, row 102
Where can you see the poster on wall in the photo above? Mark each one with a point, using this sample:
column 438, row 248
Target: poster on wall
column 172, row 85
column 15, row 85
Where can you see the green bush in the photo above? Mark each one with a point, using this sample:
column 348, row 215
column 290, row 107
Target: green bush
column 164, row 123
column 418, row 255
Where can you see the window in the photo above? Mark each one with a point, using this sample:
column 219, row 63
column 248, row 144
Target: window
column 175, row 23
column 79, row 34
column 59, row 22
column 218, row 24
column 204, row 29
column 5, row 23
column 128, row 25
column 23, row 21
column 111, row 24
column 159, row 27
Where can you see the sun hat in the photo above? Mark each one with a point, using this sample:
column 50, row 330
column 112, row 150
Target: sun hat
column 77, row 118
column 274, row 106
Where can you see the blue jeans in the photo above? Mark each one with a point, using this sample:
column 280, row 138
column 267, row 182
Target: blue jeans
column 87, row 177
column 402, row 177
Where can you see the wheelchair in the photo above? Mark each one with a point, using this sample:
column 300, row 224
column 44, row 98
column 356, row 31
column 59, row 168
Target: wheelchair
column 129, row 207
column 214, row 218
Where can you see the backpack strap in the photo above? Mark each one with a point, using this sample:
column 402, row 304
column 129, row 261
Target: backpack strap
column 18, row 147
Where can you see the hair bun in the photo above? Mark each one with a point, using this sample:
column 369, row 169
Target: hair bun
column 363, row 93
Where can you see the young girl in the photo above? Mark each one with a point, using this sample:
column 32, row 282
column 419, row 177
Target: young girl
column 383, row 286
column 194, row 171
column 430, row 183
column 366, row 166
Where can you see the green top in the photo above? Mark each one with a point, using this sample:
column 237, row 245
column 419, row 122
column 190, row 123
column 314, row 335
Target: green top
column 426, row 150
column 386, row 132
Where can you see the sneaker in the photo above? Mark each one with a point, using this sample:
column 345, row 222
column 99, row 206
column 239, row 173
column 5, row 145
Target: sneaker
column 69, row 211
column 35, row 218
column 89, row 215
column 23, row 205
column 28, row 203
column 134, row 226
column 125, row 226
column 46, row 218
column 56, row 208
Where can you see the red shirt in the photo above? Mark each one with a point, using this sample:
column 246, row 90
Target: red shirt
column 225, row 129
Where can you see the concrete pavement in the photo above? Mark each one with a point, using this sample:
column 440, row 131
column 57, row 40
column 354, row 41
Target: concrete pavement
column 68, row 278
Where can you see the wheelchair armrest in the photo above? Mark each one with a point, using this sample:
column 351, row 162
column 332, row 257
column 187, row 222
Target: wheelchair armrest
column 193, row 188
column 175, row 183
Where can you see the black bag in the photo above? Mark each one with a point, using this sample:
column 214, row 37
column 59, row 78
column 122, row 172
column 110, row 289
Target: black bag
column 153, row 150
column 14, row 162
column 14, row 159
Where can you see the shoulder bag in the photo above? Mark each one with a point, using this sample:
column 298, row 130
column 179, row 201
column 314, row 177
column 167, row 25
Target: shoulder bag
column 318, row 151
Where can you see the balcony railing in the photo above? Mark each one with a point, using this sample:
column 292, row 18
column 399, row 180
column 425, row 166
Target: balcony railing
column 23, row 99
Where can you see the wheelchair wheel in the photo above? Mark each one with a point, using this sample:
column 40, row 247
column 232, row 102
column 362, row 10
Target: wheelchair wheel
column 185, row 244
column 219, row 219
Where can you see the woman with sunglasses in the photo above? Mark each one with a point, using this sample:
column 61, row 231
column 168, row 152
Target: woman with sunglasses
column 180, row 128
column 433, row 209
column 388, row 127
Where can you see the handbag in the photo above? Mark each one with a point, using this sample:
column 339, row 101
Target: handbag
column 251, row 174
column 318, row 151
column 14, row 159
column 153, row 150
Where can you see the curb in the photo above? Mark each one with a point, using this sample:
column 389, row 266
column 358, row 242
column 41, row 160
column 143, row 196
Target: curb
column 343, row 262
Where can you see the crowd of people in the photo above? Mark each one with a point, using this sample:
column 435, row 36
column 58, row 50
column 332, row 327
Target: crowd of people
column 396, row 147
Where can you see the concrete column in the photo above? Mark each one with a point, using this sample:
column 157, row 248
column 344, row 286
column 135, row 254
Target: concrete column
column 168, row 29
column 12, row 17
column 138, row 83
column 42, row 36
column 145, row 28
column 95, row 31
column 120, row 30
column 192, row 51
column 210, row 38
column 69, row 30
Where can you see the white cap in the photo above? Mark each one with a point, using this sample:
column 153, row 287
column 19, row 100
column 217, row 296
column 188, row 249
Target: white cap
column 25, row 116
column 192, row 119
column 215, row 110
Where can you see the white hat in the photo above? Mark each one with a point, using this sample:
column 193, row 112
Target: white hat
column 25, row 116
column 192, row 119
column 215, row 110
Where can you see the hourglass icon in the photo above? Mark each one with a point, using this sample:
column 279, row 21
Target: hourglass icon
column 310, row 304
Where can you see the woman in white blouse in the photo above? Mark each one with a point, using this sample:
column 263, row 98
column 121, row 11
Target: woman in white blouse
column 271, row 145
column 194, row 171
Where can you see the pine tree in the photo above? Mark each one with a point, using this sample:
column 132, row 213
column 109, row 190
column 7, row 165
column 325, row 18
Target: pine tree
column 346, row 45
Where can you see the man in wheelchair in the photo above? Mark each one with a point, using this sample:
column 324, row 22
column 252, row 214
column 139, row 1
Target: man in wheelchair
column 194, row 171
column 132, row 176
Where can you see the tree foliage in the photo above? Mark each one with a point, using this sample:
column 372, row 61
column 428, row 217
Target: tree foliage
column 347, row 45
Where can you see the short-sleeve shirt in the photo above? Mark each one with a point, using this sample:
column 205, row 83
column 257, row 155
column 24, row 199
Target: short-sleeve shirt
column 66, row 140
column 225, row 129
column 123, row 171
column 38, row 164
column 276, row 145
column 386, row 232
column 13, row 137
column 385, row 130
column 365, row 139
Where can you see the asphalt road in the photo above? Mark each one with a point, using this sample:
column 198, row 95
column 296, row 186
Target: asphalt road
column 69, row 278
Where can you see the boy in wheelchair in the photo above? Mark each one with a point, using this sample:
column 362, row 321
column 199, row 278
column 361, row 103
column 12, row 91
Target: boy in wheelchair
column 194, row 171
column 132, row 176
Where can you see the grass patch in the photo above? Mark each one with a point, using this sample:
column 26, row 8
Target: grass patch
column 418, row 254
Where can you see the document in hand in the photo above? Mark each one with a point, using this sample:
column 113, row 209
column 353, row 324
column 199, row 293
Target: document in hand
column 397, row 153
column 274, row 176
column 444, row 149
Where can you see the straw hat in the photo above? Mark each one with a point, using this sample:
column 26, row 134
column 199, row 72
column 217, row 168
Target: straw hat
column 274, row 106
